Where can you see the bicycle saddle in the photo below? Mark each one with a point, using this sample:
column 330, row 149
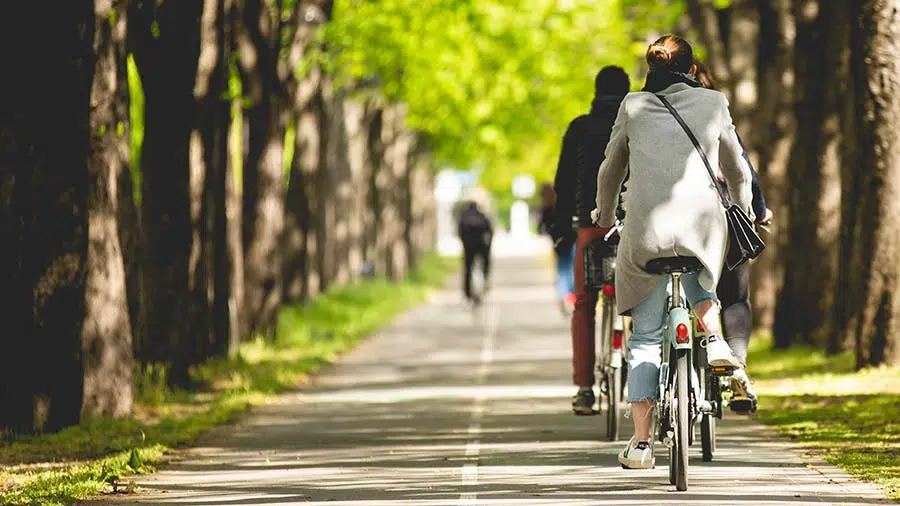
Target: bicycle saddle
column 669, row 265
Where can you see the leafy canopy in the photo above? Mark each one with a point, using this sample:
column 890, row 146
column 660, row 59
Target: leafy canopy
column 489, row 82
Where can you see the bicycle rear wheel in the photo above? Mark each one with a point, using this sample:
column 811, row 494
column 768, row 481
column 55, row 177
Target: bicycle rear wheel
column 612, row 376
column 613, row 402
column 708, row 422
column 682, row 427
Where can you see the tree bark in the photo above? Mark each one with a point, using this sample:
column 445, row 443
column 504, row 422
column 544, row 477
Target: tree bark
column 234, row 203
column 165, row 41
column 107, row 338
column 389, row 182
column 304, row 239
column 874, row 310
column 263, row 182
column 211, row 275
column 421, row 227
column 376, row 251
column 741, row 33
column 705, row 20
column 812, row 196
column 774, row 127
column 357, row 154
column 840, row 338
column 45, row 180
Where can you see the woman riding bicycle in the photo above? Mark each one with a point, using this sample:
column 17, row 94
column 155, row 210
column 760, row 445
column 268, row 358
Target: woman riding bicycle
column 673, row 210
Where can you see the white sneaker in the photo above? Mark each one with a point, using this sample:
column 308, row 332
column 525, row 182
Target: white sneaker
column 744, row 400
column 719, row 354
column 638, row 456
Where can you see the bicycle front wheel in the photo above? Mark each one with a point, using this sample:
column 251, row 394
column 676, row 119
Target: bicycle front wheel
column 682, row 428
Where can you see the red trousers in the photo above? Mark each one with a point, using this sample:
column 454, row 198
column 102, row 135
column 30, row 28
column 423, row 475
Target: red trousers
column 584, row 315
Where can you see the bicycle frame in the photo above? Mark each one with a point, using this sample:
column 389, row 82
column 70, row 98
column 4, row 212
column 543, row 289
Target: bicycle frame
column 678, row 332
column 610, row 329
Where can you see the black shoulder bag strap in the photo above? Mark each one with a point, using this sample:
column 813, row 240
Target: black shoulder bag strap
column 726, row 199
column 744, row 242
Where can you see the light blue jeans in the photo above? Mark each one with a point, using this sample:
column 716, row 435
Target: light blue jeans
column 645, row 344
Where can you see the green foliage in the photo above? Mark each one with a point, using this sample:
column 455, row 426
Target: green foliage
column 492, row 81
column 848, row 417
column 309, row 336
column 136, row 122
column 236, row 132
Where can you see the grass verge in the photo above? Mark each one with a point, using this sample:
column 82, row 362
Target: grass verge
column 850, row 418
column 93, row 458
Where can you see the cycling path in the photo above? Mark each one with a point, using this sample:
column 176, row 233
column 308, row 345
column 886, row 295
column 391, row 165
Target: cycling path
column 451, row 407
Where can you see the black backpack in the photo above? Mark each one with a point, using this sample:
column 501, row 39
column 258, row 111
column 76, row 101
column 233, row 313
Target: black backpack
column 473, row 220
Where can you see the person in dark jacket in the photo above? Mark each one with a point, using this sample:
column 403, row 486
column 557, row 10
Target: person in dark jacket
column 565, row 256
column 476, row 233
column 583, row 148
column 734, row 286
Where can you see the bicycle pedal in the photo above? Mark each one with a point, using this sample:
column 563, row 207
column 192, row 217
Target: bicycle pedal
column 721, row 370
column 743, row 405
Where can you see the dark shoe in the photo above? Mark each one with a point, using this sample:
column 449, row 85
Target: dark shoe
column 583, row 402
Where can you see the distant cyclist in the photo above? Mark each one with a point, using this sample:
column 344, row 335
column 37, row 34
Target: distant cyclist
column 476, row 233
column 672, row 210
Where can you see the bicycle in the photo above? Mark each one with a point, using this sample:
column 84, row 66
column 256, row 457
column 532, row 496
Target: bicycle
column 690, row 391
column 600, row 266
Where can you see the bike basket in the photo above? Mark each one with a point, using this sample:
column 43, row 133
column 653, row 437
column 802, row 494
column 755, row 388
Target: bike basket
column 600, row 263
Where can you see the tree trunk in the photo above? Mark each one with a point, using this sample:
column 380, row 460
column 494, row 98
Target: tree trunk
column 421, row 230
column 167, row 61
column 304, row 252
column 740, row 33
column 839, row 337
column 263, row 183
column 774, row 127
column 376, row 244
column 300, row 246
column 107, row 339
column 705, row 20
column 809, row 263
column 234, row 203
column 874, row 310
column 341, row 190
column 357, row 154
column 391, row 190
column 45, row 186
column 211, row 277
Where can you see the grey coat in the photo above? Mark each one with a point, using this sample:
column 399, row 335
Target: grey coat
column 672, row 205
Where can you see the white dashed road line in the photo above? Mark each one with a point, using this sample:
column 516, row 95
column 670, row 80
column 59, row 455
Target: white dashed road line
column 469, row 477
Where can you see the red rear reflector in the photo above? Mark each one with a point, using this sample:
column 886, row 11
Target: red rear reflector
column 681, row 334
column 609, row 290
column 618, row 337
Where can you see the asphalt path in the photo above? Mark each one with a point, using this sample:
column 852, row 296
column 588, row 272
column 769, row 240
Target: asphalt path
column 451, row 406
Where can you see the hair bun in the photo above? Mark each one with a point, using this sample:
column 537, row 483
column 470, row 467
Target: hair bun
column 660, row 56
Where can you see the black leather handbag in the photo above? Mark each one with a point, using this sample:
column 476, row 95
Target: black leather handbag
column 743, row 242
